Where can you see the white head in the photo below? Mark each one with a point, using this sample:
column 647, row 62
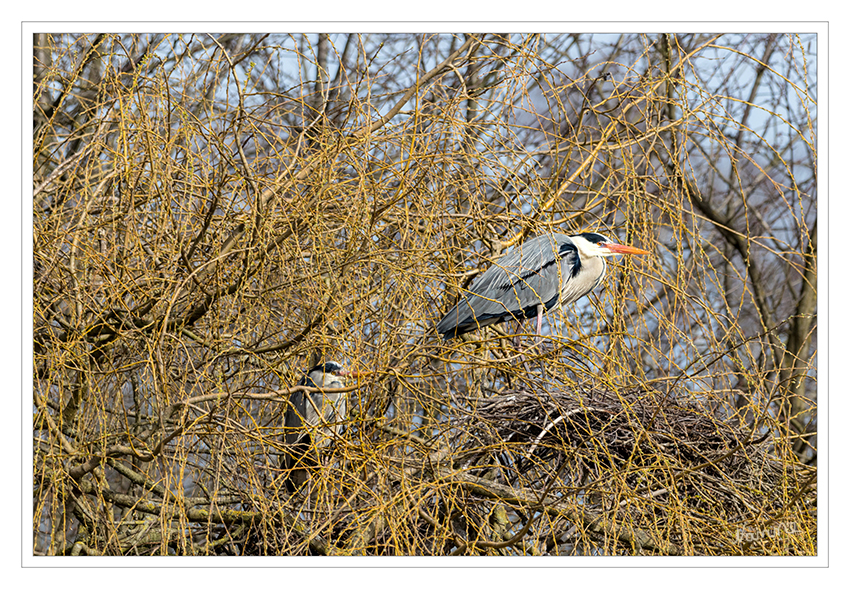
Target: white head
column 594, row 245
column 326, row 375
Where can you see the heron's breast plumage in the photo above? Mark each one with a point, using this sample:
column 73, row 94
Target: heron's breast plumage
column 583, row 282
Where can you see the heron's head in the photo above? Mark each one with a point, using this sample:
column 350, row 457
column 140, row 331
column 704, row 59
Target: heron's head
column 594, row 245
column 329, row 375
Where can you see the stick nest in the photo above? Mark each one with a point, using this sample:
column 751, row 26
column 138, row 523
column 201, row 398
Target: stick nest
column 648, row 457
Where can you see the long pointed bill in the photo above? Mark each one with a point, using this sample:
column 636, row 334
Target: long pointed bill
column 625, row 249
column 353, row 373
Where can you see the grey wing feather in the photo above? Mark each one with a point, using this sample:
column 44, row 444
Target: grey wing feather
column 297, row 443
column 292, row 420
column 527, row 276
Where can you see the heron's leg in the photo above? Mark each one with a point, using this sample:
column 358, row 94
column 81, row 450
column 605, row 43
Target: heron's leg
column 539, row 325
column 540, row 338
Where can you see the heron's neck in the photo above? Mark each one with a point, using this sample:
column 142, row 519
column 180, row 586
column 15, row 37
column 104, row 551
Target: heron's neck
column 604, row 264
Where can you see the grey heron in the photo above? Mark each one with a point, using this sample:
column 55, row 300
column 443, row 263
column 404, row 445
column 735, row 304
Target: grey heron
column 312, row 420
column 538, row 275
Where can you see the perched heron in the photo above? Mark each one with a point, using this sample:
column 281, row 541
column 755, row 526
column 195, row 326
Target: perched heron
column 540, row 274
column 312, row 420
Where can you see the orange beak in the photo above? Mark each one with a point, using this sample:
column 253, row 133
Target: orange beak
column 625, row 249
column 353, row 373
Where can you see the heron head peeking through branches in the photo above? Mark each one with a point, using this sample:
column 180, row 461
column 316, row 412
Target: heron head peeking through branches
column 313, row 419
